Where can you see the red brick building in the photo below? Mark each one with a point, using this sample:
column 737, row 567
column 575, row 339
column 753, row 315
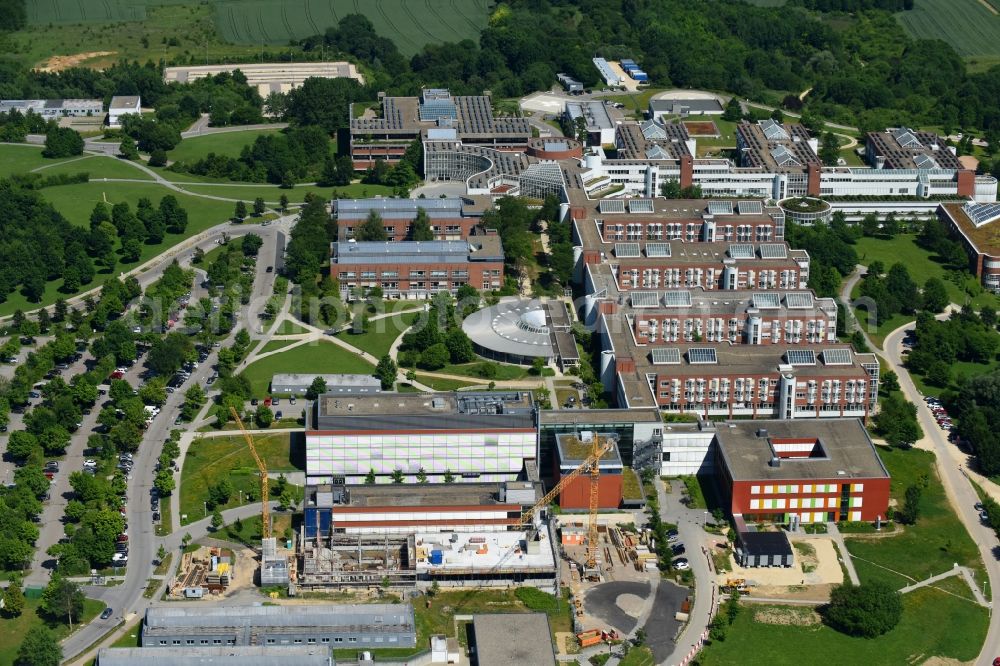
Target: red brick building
column 418, row 269
column 800, row 471
column 571, row 451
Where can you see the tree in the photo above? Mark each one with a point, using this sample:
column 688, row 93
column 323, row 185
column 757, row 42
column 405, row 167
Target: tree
column 251, row 245
column 888, row 382
column 258, row 206
column 829, row 150
column 397, row 476
column 240, row 212
column 372, row 229
column 911, row 507
column 40, row 647
column 220, row 493
column 161, row 553
column 62, row 142
column 62, row 598
column 421, row 475
column 386, row 372
column 217, row 520
column 13, row 599
column 127, row 149
column 459, row 346
column 867, row 610
column 434, row 357
column 169, row 353
column 283, row 202
column 421, row 228
column 316, row 388
column 164, row 481
column 448, row 476
column 370, row 477
column 733, row 111
column 158, row 158
column 264, row 416
column 935, row 295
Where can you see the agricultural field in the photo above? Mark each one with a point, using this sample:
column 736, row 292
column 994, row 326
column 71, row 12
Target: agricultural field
column 972, row 27
column 256, row 23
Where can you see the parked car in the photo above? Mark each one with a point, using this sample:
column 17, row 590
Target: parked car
column 678, row 549
column 681, row 564
column 277, row 415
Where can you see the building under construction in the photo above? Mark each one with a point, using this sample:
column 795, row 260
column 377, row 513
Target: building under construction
column 406, row 534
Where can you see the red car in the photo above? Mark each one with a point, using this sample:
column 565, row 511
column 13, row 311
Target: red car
column 117, row 374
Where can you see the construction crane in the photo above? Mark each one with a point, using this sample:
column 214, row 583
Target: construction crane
column 265, row 511
column 591, row 465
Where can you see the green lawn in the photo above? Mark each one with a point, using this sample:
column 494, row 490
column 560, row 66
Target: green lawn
column 381, row 333
column 289, row 327
column 22, row 158
column 439, row 384
column 209, row 459
column 275, row 345
column 12, row 630
column 76, row 202
column 314, row 358
column 967, row 25
column 250, row 191
column 933, row 624
column 505, row 372
column 933, row 545
column 222, row 143
column 918, row 261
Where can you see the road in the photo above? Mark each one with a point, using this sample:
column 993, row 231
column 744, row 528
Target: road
column 143, row 543
column 951, row 466
column 689, row 528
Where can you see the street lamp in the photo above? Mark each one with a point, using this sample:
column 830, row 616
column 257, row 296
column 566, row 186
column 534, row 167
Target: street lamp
column 705, row 524
column 205, row 504
column 241, row 497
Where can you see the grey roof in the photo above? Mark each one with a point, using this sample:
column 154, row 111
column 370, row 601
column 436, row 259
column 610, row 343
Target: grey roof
column 124, row 102
column 391, row 617
column 425, row 411
column 341, row 383
column 237, row 655
column 693, row 105
column 479, row 248
column 393, row 209
column 555, row 417
column 596, row 114
column 518, row 327
column 510, row 638
column 844, row 450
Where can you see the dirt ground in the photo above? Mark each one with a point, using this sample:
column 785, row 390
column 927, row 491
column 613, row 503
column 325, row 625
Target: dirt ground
column 800, row 617
column 812, row 577
column 701, row 128
column 60, row 62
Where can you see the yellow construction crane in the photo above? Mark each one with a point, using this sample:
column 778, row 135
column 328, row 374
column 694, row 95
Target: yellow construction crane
column 591, row 465
column 265, row 511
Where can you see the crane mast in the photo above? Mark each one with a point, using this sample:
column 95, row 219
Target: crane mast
column 265, row 511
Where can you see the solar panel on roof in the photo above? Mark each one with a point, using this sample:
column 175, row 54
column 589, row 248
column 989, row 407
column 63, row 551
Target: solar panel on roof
column 702, row 356
column 645, row 299
column 741, row 251
column 640, row 206
column 608, row 206
column 657, row 249
column 924, row 161
column 982, row 213
column 799, row 300
column 666, row 355
column 783, row 157
column 837, row 357
column 677, row 299
column 801, row 356
column 720, row 207
column 766, row 301
column 773, row 130
column 627, row 250
column 773, row 251
column 750, row 207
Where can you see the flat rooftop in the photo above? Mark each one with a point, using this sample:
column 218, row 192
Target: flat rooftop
column 404, row 209
column 483, row 551
column 651, row 140
column 237, row 655
column 555, row 417
column 843, row 450
column 905, row 148
column 697, row 105
column 422, row 494
column 393, row 617
column 678, row 302
column 425, row 411
column 509, row 638
column 595, row 113
column 573, row 450
column 986, row 235
column 775, row 146
column 477, row 248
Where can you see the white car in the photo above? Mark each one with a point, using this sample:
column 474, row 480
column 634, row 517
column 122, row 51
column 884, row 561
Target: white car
column 681, row 564
column 90, row 463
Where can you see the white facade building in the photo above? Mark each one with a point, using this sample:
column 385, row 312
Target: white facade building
column 121, row 106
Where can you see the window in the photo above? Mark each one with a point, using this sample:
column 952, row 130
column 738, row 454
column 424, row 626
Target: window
column 831, row 502
column 755, row 490
column 793, row 504
column 768, row 490
column 754, row 504
column 858, row 488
